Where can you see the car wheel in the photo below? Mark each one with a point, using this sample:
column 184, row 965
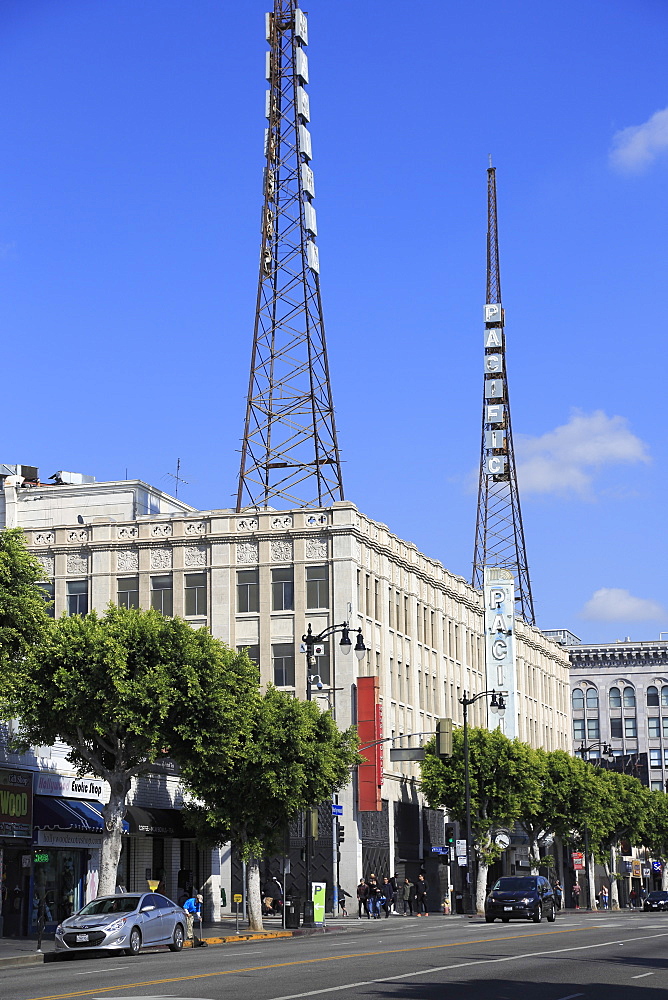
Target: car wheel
column 135, row 942
column 552, row 915
column 489, row 920
column 177, row 943
column 538, row 914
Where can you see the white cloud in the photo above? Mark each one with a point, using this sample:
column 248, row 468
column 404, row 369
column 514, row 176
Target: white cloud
column 565, row 460
column 612, row 604
column 637, row 147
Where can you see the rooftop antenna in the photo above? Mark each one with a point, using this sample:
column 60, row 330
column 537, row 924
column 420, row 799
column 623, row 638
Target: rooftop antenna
column 177, row 478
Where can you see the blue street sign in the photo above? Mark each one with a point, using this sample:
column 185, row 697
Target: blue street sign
column 435, row 849
column 337, row 810
column 656, row 865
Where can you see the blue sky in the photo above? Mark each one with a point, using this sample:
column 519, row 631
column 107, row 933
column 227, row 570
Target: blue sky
column 130, row 195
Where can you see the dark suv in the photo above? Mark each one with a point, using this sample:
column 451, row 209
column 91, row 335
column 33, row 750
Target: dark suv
column 657, row 900
column 521, row 897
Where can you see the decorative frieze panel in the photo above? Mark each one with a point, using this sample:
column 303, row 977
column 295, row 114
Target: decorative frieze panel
column 77, row 563
column 127, row 560
column 282, row 522
column 161, row 558
column 44, row 538
column 314, row 520
column 281, row 550
column 161, row 530
column 195, row 528
column 195, row 555
column 316, row 548
column 47, row 564
column 247, row 552
column 128, row 531
column 77, row 535
column 247, row 524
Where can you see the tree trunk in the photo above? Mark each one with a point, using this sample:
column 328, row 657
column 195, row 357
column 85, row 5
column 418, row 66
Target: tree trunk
column 592, row 882
column 481, row 886
column 614, row 884
column 559, row 848
column 253, row 897
column 112, row 813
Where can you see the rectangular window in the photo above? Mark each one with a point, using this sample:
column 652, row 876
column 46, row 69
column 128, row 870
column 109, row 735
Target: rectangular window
column 653, row 728
column 578, row 729
column 195, row 594
column 282, row 589
column 630, row 729
column 656, row 786
column 283, row 659
column 127, row 592
column 376, row 600
column 48, row 591
column 420, row 636
column 248, row 590
column 161, row 594
column 367, row 596
column 407, row 618
column 616, row 729
column 77, row 597
column 397, row 602
column 592, row 729
column 317, row 587
column 665, row 758
column 253, row 653
column 433, row 630
column 655, row 759
column 664, row 723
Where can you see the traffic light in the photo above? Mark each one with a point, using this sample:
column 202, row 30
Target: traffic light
column 444, row 737
column 449, row 835
column 342, row 833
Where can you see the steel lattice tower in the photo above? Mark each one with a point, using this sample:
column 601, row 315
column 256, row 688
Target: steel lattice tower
column 499, row 536
column 290, row 454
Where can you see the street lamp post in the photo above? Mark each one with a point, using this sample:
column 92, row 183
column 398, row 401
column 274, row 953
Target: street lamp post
column 309, row 644
column 498, row 706
column 583, row 750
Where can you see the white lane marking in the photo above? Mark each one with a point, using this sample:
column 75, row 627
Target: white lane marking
column 445, row 968
column 571, row 996
column 642, row 975
column 107, row 968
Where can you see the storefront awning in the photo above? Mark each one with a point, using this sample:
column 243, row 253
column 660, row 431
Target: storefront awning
column 52, row 813
column 158, row 822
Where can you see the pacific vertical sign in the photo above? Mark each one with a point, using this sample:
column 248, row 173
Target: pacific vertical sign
column 499, row 594
column 495, row 443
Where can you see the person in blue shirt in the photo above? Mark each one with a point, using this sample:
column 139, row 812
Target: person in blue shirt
column 193, row 908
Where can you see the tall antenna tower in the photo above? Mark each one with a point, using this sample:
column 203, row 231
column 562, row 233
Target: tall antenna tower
column 290, row 454
column 499, row 535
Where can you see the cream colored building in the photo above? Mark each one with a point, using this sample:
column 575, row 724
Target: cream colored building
column 258, row 579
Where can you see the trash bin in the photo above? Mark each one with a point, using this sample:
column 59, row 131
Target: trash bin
column 459, row 902
column 291, row 914
column 308, row 913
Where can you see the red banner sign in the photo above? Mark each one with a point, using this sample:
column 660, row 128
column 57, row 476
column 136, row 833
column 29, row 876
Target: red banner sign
column 370, row 731
column 578, row 861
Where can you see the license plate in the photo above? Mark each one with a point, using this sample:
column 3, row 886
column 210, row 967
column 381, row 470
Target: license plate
column 82, row 937
column 507, row 907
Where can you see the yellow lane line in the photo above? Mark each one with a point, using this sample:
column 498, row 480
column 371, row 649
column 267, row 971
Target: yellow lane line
column 303, row 961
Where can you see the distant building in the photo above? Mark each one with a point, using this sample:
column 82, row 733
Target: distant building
column 258, row 580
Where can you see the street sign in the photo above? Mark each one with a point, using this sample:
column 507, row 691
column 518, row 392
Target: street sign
column 578, row 861
column 656, row 866
column 407, row 754
column 461, row 862
column 460, row 848
column 337, row 810
column 645, row 873
column 238, row 898
column 439, row 849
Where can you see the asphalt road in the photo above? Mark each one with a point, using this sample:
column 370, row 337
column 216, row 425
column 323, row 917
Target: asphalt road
column 607, row 956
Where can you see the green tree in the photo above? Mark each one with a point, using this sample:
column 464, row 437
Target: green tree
column 123, row 690
column 503, row 783
column 655, row 830
column 23, row 615
column 293, row 756
column 559, row 806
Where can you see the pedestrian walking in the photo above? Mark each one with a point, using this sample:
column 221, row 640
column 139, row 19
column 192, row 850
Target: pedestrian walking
column 575, row 893
column 603, row 896
column 558, row 893
column 193, row 908
column 388, row 895
column 421, row 889
column 362, row 899
column 374, row 896
column 406, row 896
column 341, row 894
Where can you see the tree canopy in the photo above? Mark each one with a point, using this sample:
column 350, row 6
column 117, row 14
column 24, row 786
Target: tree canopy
column 23, row 614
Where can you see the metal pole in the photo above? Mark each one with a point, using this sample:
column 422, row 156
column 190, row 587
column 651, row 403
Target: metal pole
column 467, row 792
column 309, row 817
column 243, row 887
column 586, row 840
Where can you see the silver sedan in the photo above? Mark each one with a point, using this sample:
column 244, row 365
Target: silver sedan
column 129, row 921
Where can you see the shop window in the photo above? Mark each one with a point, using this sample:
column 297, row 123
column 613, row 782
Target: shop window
column 162, row 594
column 592, row 698
column 283, row 660
column 616, row 728
column 317, row 587
column 629, row 698
column 652, row 697
column 578, row 700
column 282, row 589
column 630, row 729
column 127, row 592
column 615, row 697
column 77, row 597
column 653, row 728
column 248, row 590
column 195, row 594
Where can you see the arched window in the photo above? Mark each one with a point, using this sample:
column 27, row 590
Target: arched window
column 615, row 698
column 664, row 696
column 652, row 697
column 592, row 698
column 629, row 698
column 578, row 700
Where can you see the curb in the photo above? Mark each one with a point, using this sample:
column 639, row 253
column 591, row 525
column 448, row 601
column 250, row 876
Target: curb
column 17, row 960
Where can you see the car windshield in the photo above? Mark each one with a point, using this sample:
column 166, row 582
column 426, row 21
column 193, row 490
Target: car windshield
column 515, row 884
column 110, row 904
